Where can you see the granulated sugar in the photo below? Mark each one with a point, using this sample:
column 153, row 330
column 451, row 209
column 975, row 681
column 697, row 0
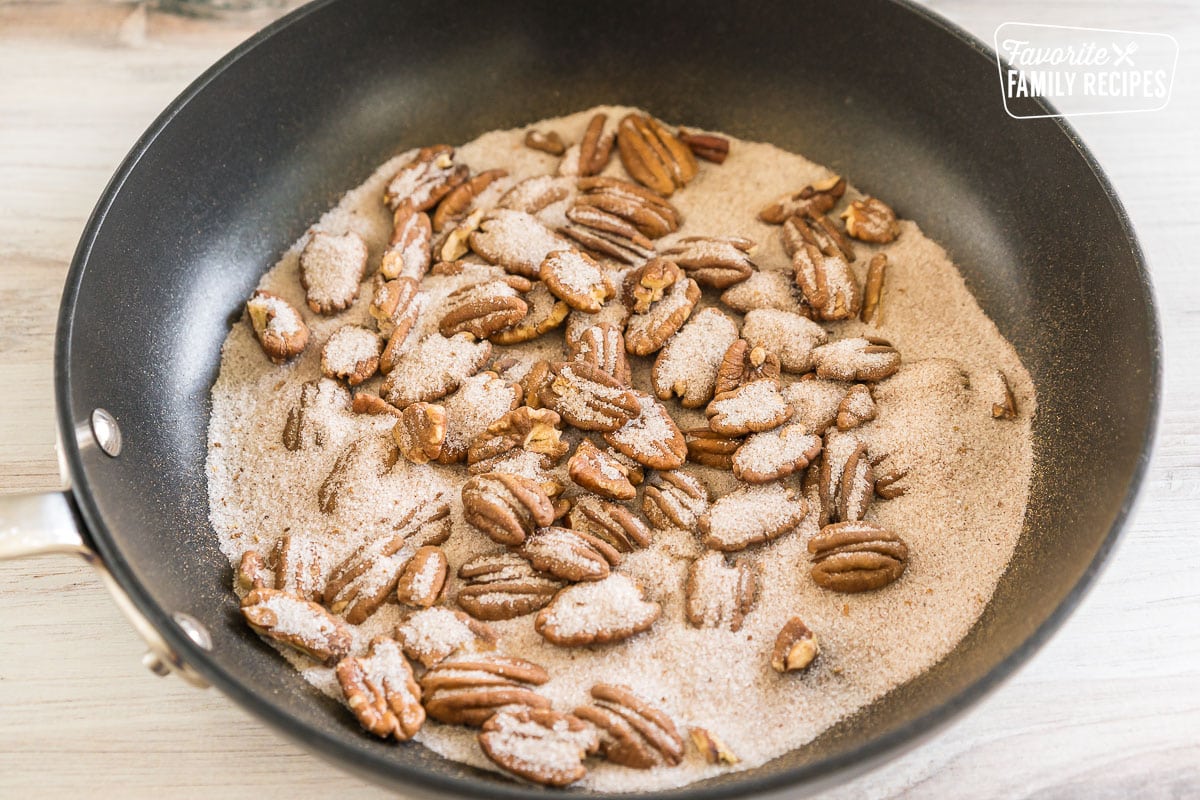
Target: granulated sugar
column 967, row 482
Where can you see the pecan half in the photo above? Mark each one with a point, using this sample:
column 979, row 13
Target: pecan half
column 742, row 364
column 411, row 249
column 596, row 612
column 816, row 198
column 751, row 408
column 426, row 179
column 711, row 747
column 766, row 289
column 689, row 364
column 420, row 432
column 856, row 557
column 503, row 586
column 364, row 402
column 646, row 333
column 873, row 287
column 588, row 398
column 422, row 580
column 648, row 284
column 297, row 623
column 546, row 312
column 482, row 309
column 885, row 484
column 857, row 359
column 817, row 230
column 366, row 458
column 599, row 472
column 277, row 324
column 648, row 213
column 719, row 595
column 523, row 429
column 458, row 202
column 771, row 455
column 595, row 148
column 307, row 421
column 653, row 156
column 569, row 555
column 846, row 477
column 351, row 353
column 394, row 305
column 539, row 744
column 676, row 500
column 751, row 515
column 434, row 634
column 603, row 346
column 714, row 261
column 632, row 732
column 857, row 407
column 359, row 585
column 711, row 449
column 546, row 141
column 331, row 267
column 469, row 690
column 516, row 241
column 534, row 194
column 381, row 691
column 575, row 278
column 791, row 337
column 506, row 507
column 482, row 400
column 871, row 220
column 651, row 438
column 252, row 572
column 795, row 647
column 433, row 368
column 298, row 564
column 828, row 283
column 706, row 145
column 613, row 523
column 607, row 235
column 816, row 402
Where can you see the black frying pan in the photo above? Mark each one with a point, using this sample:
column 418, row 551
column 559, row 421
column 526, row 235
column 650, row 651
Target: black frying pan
column 896, row 99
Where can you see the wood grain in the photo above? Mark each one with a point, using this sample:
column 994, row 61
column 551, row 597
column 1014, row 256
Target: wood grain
column 1110, row 708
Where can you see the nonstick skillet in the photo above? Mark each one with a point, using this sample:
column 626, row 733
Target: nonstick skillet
column 902, row 103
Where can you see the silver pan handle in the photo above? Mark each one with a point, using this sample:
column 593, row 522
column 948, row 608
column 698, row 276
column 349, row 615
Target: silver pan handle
column 45, row 524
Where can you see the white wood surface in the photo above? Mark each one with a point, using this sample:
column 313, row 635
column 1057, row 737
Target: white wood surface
column 1109, row 709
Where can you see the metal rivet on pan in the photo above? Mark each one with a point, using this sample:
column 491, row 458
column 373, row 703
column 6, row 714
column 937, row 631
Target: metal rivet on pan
column 106, row 431
column 194, row 630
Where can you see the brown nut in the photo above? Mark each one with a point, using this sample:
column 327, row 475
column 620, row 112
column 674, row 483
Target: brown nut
column 816, row 198
column 468, row 690
column 751, row 515
column 710, row 746
column 648, row 284
column 689, row 365
column 331, row 268
column 381, row 691
column 297, row 623
column 298, row 564
column 647, row 212
column 426, row 179
column 751, row 408
column 707, row 146
column 538, row 744
column 546, row 141
column 411, row 249
column 717, row 594
column 523, row 429
column 742, row 364
column 569, row 555
column 546, row 312
column 596, row 612
column 432, row 635
column 351, row 353
column 717, row 262
column 827, row 282
column 423, row 578
column 506, row 507
column 795, row 647
column 278, row 326
column 420, row 432
column 595, row 148
column 647, row 333
column 458, row 202
column 517, row 241
column 482, row 309
column 771, row 455
column 652, row 438
column 857, row 359
column 599, row 472
column 873, row 288
column 534, row 194
column 575, row 278
column 676, row 500
column 433, row 368
column 871, row 220
column 653, row 156
column 610, row 522
column 307, row 421
column 603, row 346
column 711, row 449
column 587, row 397
column 818, row 230
column 1007, row 407
column 633, row 733
column 857, row 407
column 856, row 557
column 503, row 586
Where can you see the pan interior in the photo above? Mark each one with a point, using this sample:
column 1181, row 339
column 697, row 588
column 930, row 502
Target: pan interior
column 903, row 106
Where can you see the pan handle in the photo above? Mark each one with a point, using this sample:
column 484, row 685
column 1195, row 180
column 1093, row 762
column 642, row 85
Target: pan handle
column 46, row 524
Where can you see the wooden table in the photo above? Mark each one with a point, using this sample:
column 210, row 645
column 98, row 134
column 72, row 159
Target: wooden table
column 1110, row 708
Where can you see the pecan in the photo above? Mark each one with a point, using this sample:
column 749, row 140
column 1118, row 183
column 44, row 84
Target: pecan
column 816, row 402
column 652, row 438
column 648, row 213
column 873, row 287
column 504, row 586
column 871, row 220
column 653, row 156
column 413, row 303
column 297, row 623
column 423, row 578
column 481, row 400
column 278, row 326
column 603, row 347
column 252, row 572
column 858, row 359
column 607, row 235
column 817, row 230
column 714, row 261
column 534, row 194
column 706, row 145
column 379, row 688
column 307, row 420
column 411, row 249
column 718, row 595
column 434, row 368
column 690, row 362
column 711, row 747
column 648, row 284
column 426, row 179
column 816, row 198
column 596, row 612
column 857, row 407
column 789, row 336
column 828, row 284
column 614, row 313
column 298, row 564
column 599, row 472
column 482, row 309
column 613, row 523
column 434, row 634
column 675, row 499
column 846, row 477
column 506, row 507
column 771, row 455
column 539, row 744
column 575, row 278
column 516, row 241
column 546, row 312
column 587, row 397
column 1007, row 407
column 710, row 449
column 456, row 243
column 766, row 289
column 550, row 142
column 394, row 305
column 469, row 690
column 366, row 458
column 420, row 432
column 458, row 201
column 751, row 515
column 331, row 268
column 364, row 402
column 632, row 732
column 569, row 555
column 750, row 408
column 360, row 584
column 647, row 333
column 351, row 353
column 523, row 429
column 885, row 484
column 742, row 364
column 856, row 557
column 595, row 148
column 795, row 647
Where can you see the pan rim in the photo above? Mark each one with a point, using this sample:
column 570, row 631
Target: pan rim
column 381, row 770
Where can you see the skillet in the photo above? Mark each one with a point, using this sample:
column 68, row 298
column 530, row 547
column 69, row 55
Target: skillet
column 896, row 99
